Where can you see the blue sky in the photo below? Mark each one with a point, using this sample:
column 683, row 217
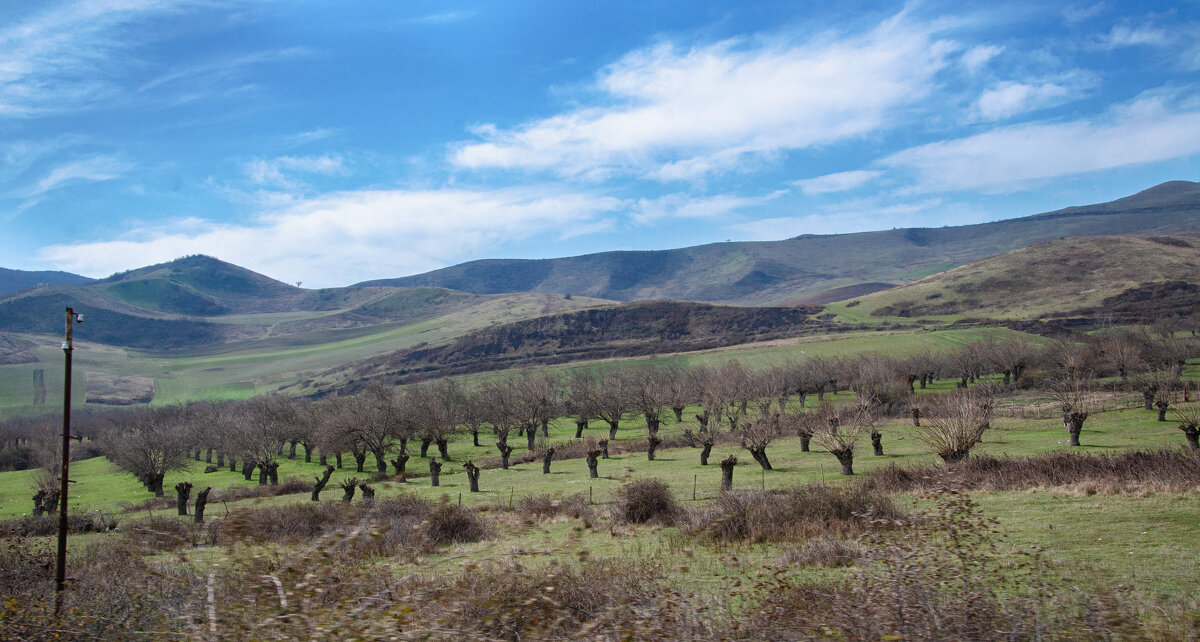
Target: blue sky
column 333, row 142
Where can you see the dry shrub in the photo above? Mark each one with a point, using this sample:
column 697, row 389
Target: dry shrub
column 646, row 500
column 826, row 550
column 452, row 524
column 544, row 508
column 158, row 534
column 1129, row 472
column 35, row 525
column 235, row 492
column 792, row 514
column 288, row 523
column 943, row 580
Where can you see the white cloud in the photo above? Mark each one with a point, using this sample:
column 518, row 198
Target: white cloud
column 1076, row 13
column 671, row 113
column 976, row 57
column 1011, row 98
column 58, row 59
column 96, row 168
column 677, row 206
column 1145, row 35
column 271, row 172
column 1144, row 131
column 851, row 216
column 839, row 182
column 348, row 237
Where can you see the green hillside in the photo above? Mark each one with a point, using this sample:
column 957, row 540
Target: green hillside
column 1135, row 278
column 759, row 273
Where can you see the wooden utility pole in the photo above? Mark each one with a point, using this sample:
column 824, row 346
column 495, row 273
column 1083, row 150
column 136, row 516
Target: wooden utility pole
column 60, row 569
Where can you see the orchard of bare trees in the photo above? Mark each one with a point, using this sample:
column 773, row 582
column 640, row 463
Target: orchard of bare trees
column 729, row 404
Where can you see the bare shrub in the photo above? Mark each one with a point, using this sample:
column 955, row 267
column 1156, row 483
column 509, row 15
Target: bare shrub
column 827, row 550
column 286, row 523
column 160, row 534
column 542, row 508
column 792, row 514
column 41, row 525
column 451, row 524
column 646, row 500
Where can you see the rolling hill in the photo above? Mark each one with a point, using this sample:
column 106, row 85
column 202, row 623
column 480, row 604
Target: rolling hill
column 1134, row 279
column 758, row 273
column 17, row 280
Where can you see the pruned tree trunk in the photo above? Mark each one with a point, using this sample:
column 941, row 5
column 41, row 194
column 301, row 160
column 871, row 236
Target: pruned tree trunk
column 51, row 503
column 425, row 442
column 273, row 473
column 348, row 487
column 39, row 499
column 916, row 417
column 652, row 424
column 1148, row 400
column 368, row 493
column 846, row 457
column 545, row 428
column 472, row 475
column 247, row 469
column 1192, row 433
column 337, row 459
column 183, row 492
column 805, row 440
column 531, row 437
column 380, row 461
column 653, row 446
column 156, row 484
column 1162, row 409
column 705, row 451
column 435, row 472
column 727, row 465
column 308, row 452
column 475, row 436
column 678, row 410
column 292, row 450
column 547, row 456
column 612, row 428
column 593, row 462
column 603, row 448
column 759, row 453
column 1074, row 422
column 320, row 483
column 505, row 452
column 360, row 461
column 263, row 475
column 400, row 462
column 201, row 502
column 443, row 447
column 877, row 443
column 208, row 454
column 580, row 426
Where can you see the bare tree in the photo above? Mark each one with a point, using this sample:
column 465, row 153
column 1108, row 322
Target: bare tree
column 1073, row 399
column 758, row 434
column 648, row 395
column 149, row 444
column 472, row 475
column 580, row 398
column 954, row 424
column 614, row 398
column 1188, row 416
column 840, row 432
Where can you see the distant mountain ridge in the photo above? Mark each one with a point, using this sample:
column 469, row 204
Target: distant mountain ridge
column 796, row 269
column 18, row 280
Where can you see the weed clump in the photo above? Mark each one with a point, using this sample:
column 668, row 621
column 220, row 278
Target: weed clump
column 646, row 500
column 792, row 514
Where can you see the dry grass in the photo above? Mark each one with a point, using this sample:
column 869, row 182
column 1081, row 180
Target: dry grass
column 1130, row 472
column 792, row 514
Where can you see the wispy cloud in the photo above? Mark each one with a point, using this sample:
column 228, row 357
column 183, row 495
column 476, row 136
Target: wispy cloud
column 683, row 206
column 347, row 237
column 272, row 172
column 839, row 182
column 56, row 59
column 975, row 58
column 96, row 168
column 1151, row 128
column 445, row 17
column 669, row 113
